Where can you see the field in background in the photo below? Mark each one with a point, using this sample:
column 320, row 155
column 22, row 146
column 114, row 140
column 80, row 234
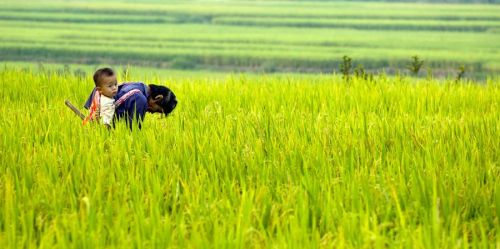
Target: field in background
column 258, row 36
column 287, row 161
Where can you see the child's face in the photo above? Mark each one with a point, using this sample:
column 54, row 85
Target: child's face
column 109, row 86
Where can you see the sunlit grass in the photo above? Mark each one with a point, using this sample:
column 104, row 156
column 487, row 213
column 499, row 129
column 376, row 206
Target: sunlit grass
column 254, row 161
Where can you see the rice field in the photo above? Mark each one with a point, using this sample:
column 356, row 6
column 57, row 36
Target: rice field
column 289, row 161
column 256, row 36
column 269, row 146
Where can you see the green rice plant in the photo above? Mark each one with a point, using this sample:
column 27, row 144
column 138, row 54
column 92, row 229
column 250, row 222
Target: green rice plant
column 460, row 74
column 346, row 67
column 289, row 161
column 415, row 65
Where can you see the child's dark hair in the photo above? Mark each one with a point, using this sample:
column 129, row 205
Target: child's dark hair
column 169, row 100
column 105, row 71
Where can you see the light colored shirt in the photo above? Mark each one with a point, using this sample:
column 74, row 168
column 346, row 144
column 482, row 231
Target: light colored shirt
column 107, row 110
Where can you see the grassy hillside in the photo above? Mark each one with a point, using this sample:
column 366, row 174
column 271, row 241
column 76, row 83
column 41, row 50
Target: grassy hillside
column 253, row 36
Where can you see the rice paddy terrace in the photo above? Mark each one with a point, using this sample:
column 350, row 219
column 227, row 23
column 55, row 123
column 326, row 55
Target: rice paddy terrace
column 253, row 36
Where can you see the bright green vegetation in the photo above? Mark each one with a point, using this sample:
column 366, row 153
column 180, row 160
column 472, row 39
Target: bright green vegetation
column 254, row 161
column 255, row 35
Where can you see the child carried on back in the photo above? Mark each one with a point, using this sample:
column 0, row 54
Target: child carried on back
column 129, row 101
column 102, row 108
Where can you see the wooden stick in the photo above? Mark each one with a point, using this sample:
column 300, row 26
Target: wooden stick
column 74, row 109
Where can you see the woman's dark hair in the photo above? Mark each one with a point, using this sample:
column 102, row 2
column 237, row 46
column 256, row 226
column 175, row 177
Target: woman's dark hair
column 169, row 101
column 105, row 71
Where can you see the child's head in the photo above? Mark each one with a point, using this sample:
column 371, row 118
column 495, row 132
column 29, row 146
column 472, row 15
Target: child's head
column 105, row 82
